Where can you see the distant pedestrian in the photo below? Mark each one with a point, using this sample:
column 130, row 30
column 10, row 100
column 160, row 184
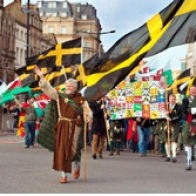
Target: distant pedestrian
column 143, row 128
column 132, row 135
column 98, row 128
column 189, row 125
column 30, row 121
column 14, row 109
column 116, row 136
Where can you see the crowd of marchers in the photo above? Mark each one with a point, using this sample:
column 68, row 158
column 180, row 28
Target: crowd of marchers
column 164, row 137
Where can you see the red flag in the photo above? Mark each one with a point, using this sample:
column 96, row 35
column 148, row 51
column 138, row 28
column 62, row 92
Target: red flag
column 42, row 97
column 14, row 84
column 160, row 72
column 151, row 78
column 145, row 78
column 145, row 70
column 25, row 105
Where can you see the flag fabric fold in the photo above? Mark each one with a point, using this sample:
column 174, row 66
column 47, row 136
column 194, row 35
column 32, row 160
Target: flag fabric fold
column 155, row 68
column 10, row 95
column 57, row 63
column 174, row 25
column 176, row 86
column 184, row 87
column 3, row 87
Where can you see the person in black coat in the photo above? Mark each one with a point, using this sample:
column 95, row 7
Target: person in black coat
column 98, row 128
column 174, row 115
column 189, row 124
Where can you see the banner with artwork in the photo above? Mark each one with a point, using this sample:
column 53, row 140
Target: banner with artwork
column 138, row 99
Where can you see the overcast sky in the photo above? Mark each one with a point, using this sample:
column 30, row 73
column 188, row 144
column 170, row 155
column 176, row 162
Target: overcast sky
column 124, row 16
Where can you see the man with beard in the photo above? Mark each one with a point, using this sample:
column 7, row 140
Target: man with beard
column 174, row 115
column 71, row 108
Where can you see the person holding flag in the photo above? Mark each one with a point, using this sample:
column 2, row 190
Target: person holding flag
column 174, row 115
column 71, row 110
column 189, row 124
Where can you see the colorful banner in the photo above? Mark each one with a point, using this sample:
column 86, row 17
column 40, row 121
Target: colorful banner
column 139, row 99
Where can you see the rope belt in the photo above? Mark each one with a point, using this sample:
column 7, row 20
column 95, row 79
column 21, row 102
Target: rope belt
column 67, row 119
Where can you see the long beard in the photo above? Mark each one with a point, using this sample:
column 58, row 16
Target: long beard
column 70, row 93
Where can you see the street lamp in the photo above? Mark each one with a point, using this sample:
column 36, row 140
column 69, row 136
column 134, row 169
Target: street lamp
column 112, row 31
column 27, row 11
column 28, row 14
column 101, row 33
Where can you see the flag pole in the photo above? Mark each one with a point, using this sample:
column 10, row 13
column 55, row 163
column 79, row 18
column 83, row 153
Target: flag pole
column 105, row 113
column 64, row 72
column 85, row 155
column 17, row 101
column 85, row 125
column 166, row 101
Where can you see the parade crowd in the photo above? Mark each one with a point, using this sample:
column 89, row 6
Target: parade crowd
column 163, row 137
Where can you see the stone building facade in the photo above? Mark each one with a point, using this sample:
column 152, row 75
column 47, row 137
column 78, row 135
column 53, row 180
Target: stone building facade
column 190, row 59
column 7, row 44
column 71, row 20
column 13, row 37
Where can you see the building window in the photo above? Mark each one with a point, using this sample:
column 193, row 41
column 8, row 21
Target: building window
column 64, row 4
column 78, row 9
column 83, row 56
column 51, row 4
column 17, row 33
column 21, row 35
column 86, row 44
column 48, row 14
column 51, row 30
column 84, row 17
column 54, row 14
column 63, row 30
column 20, row 55
column 64, row 14
column 39, row 5
column 17, row 56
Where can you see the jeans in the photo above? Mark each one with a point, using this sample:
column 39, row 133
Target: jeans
column 29, row 133
column 89, row 135
column 143, row 134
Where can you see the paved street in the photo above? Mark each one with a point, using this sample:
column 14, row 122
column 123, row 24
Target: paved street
column 29, row 171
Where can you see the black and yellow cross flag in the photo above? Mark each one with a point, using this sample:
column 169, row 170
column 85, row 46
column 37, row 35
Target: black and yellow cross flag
column 80, row 74
column 176, row 87
column 57, row 63
column 174, row 25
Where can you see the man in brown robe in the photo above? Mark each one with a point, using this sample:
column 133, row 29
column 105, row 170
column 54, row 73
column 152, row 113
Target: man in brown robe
column 68, row 128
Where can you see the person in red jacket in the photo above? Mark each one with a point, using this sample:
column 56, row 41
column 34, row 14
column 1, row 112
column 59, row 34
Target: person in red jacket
column 132, row 136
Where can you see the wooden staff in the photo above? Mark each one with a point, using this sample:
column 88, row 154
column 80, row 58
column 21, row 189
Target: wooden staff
column 17, row 101
column 64, row 73
column 105, row 113
column 144, row 121
column 168, row 131
column 85, row 153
